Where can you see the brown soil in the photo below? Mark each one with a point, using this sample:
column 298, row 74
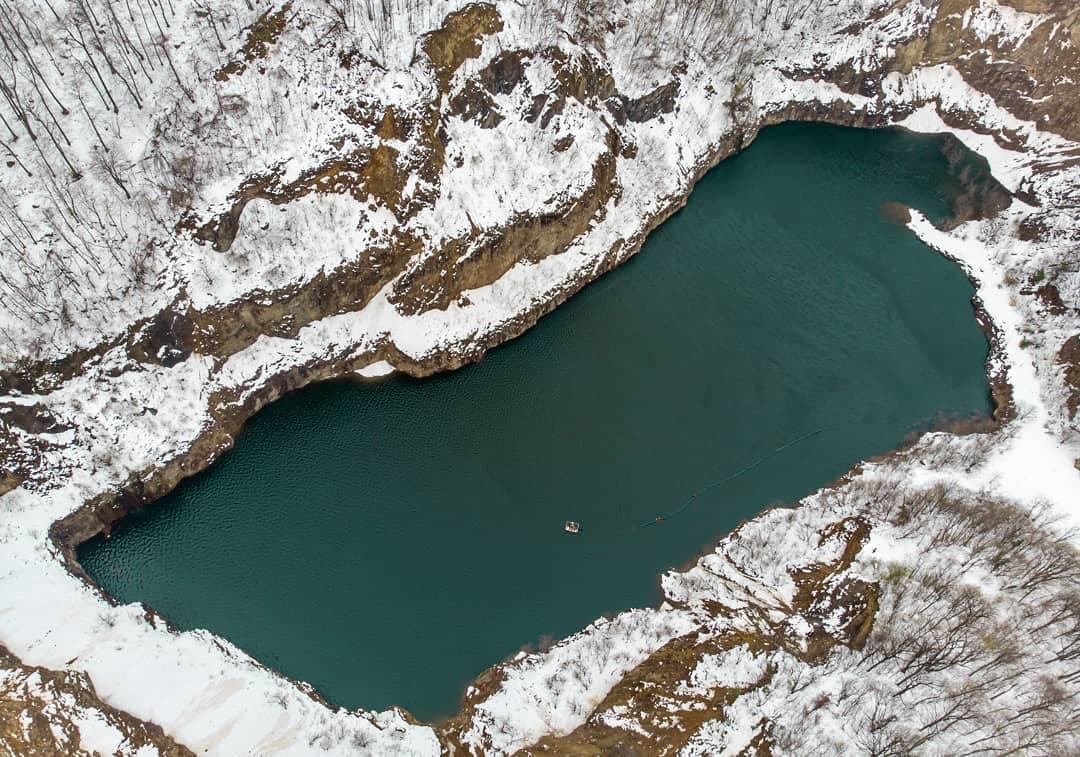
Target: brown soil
column 263, row 33
column 460, row 39
column 1049, row 298
column 38, row 707
column 1069, row 358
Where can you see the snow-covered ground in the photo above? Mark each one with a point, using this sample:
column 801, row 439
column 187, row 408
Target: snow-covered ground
column 293, row 111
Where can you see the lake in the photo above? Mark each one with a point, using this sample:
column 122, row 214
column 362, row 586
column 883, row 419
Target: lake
column 387, row 542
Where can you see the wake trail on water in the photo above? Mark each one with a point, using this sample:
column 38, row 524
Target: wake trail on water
column 742, row 471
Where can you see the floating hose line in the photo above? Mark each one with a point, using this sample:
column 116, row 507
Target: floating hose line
column 746, row 469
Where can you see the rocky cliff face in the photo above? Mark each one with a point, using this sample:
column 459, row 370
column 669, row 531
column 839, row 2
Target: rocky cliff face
column 46, row 712
column 344, row 194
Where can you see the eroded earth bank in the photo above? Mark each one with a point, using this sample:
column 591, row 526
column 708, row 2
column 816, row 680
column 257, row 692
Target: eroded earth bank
column 207, row 208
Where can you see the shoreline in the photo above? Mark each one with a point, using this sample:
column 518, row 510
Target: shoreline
column 103, row 512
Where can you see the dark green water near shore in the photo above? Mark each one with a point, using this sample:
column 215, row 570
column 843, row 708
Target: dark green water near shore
column 387, row 542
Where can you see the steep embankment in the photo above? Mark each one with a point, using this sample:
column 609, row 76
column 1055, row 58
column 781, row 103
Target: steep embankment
column 309, row 192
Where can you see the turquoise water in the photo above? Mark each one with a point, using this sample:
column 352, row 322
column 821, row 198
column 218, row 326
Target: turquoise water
column 387, row 542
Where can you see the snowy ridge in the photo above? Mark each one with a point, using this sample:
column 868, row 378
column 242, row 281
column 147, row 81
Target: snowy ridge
column 122, row 418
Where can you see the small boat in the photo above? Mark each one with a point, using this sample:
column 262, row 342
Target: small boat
column 572, row 527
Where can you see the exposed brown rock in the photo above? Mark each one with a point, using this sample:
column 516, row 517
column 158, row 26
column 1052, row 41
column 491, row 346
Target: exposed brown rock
column 40, row 710
column 474, row 103
column 1069, row 357
column 167, row 339
column 823, row 589
column 33, row 419
column 459, row 38
column 263, row 33
column 8, row 481
column 33, row 376
column 981, row 195
column 1048, row 296
column 504, row 73
column 563, row 143
column 647, row 107
column 1021, row 77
